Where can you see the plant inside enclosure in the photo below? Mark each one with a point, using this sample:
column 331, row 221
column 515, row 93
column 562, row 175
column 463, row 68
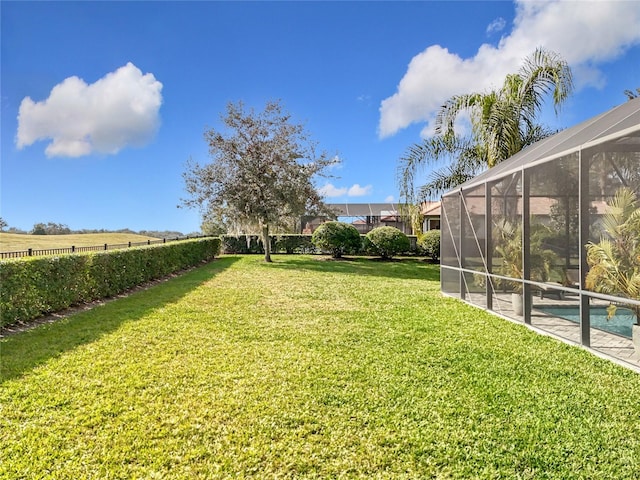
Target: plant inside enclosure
column 388, row 241
column 339, row 238
column 614, row 262
column 509, row 247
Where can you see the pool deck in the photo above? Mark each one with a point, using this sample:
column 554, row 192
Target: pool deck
column 607, row 345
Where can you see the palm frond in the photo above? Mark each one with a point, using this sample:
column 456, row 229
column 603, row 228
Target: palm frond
column 620, row 209
column 615, row 261
column 448, row 113
column 630, row 94
column 542, row 73
column 446, row 178
column 430, row 152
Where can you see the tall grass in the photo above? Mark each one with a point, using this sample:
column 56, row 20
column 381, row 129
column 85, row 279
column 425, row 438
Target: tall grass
column 308, row 369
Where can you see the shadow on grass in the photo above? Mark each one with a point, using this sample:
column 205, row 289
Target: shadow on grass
column 404, row 268
column 22, row 352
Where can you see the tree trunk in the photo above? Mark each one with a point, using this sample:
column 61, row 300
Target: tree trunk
column 266, row 243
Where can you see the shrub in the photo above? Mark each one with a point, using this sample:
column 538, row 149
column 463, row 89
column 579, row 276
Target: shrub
column 429, row 244
column 366, row 246
column 252, row 244
column 32, row 287
column 242, row 244
column 291, row 243
column 388, row 241
column 337, row 237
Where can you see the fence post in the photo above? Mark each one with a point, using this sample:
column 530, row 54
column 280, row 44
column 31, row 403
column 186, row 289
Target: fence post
column 164, row 240
column 105, row 246
column 73, row 248
column 30, row 252
column 129, row 244
column 148, row 242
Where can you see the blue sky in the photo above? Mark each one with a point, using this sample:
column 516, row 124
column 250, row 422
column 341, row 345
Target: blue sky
column 104, row 102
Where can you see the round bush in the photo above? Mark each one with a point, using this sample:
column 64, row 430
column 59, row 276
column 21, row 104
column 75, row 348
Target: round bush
column 367, row 248
column 429, row 244
column 388, row 241
column 336, row 237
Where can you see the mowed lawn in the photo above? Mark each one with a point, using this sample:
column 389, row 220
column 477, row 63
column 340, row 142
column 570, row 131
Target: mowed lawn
column 308, row 368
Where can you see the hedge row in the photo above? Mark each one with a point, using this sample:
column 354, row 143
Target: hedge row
column 290, row 243
column 32, row 287
column 242, row 244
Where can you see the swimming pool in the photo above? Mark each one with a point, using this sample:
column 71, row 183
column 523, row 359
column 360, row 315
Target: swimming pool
column 619, row 324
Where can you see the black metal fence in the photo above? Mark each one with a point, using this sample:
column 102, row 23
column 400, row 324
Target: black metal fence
column 32, row 252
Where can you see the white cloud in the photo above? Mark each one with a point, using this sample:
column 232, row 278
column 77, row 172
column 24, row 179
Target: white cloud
column 390, row 199
column 329, row 190
column 357, row 191
column 496, row 26
column 118, row 110
column 584, row 35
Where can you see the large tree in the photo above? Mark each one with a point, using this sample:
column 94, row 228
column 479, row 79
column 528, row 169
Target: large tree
column 262, row 171
column 503, row 122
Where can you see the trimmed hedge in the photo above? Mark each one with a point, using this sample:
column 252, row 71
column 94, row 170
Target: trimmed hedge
column 295, row 243
column 285, row 243
column 32, row 287
column 242, row 244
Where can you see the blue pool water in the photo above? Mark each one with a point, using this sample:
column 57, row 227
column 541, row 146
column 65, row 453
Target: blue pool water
column 620, row 323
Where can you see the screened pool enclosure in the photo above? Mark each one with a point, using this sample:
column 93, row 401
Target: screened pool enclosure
column 551, row 236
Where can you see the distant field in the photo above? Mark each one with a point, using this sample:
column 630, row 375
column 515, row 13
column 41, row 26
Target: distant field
column 12, row 242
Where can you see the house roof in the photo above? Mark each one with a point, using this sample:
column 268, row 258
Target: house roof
column 430, row 209
column 364, row 209
column 380, row 209
column 620, row 124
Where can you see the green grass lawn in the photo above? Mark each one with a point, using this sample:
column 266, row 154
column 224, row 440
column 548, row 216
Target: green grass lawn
column 308, row 369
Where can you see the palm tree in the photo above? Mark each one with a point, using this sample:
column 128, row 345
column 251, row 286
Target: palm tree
column 503, row 122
